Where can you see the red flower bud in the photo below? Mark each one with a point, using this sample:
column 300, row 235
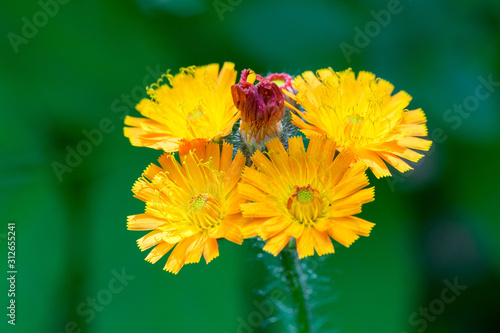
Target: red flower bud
column 261, row 108
column 259, row 104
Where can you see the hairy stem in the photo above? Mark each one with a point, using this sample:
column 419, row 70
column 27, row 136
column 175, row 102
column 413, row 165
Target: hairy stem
column 298, row 287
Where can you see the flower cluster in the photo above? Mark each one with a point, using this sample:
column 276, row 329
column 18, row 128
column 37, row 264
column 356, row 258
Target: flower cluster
column 232, row 169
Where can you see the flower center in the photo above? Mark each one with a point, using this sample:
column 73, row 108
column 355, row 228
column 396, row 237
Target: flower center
column 305, row 204
column 355, row 119
column 196, row 113
column 279, row 82
column 305, row 194
column 206, row 212
column 199, row 202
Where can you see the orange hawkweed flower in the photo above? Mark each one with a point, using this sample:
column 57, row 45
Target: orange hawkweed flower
column 190, row 205
column 360, row 115
column 309, row 195
column 196, row 105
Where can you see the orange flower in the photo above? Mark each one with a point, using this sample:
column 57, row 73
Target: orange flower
column 308, row 195
column 196, row 105
column 190, row 205
column 360, row 115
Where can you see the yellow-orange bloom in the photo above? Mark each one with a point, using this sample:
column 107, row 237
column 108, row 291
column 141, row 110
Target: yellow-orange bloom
column 360, row 115
column 309, row 195
column 196, row 105
column 190, row 205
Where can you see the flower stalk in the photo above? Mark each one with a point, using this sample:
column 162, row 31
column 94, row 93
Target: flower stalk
column 299, row 288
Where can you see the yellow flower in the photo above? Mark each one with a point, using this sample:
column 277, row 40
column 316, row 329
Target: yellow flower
column 190, row 205
column 310, row 196
column 360, row 115
column 196, row 104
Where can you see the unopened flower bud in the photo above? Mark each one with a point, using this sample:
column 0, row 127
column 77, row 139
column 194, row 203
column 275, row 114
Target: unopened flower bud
column 261, row 108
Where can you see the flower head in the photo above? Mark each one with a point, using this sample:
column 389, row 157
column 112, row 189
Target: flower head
column 189, row 205
column 360, row 115
column 309, row 195
column 196, row 104
column 261, row 108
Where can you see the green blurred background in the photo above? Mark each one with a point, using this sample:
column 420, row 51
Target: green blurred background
column 85, row 64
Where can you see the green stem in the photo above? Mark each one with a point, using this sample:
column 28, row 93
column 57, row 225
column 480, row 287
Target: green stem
column 298, row 288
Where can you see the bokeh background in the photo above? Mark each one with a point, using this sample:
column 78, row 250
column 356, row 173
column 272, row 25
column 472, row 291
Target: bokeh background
column 83, row 65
